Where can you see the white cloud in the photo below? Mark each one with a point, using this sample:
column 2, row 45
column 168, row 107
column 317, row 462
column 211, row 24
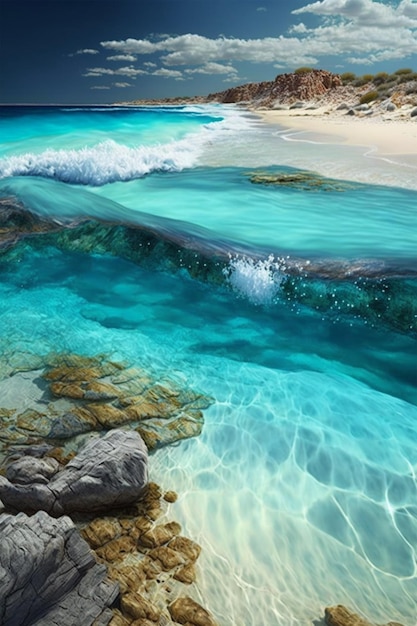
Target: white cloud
column 213, row 68
column 130, row 46
column 129, row 71
column 168, row 73
column 299, row 29
column 261, row 9
column 366, row 31
column 122, row 84
column 122, row 57
column 408, row 8
column 99, row 87
column 84, row 51
column 363, row 12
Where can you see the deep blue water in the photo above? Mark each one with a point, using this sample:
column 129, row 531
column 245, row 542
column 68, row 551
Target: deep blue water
column 302, row 486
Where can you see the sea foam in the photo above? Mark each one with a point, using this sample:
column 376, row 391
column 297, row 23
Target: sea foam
column 257, row 280
column 111, row 161
column 106, row 162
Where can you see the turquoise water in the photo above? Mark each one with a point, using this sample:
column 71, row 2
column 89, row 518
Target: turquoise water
column 301, row 488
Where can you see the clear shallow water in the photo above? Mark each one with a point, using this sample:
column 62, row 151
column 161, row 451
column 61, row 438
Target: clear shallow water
column 302, row 487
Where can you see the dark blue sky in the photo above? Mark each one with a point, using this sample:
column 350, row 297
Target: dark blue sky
column 86, row 51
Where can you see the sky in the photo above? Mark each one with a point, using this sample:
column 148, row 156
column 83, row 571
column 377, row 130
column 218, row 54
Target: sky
column 105, row 51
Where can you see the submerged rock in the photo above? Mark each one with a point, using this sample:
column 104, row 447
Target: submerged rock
column 108, row 472
column 74, row 395
column 48, row 575
column 306, row 181
column 187, row 611
column 341, row 616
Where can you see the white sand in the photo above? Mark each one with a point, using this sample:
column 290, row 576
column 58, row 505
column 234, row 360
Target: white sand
column 388, row 135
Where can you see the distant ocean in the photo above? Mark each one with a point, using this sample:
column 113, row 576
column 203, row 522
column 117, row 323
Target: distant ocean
column 297, row 314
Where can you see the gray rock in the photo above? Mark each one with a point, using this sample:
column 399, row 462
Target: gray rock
column 297, row 105
column 48, row 574
column 342, row 106
column 362, row 107
column 108, row 472
column 28, row 470
column 390, row 106
column 350, row 112
column 413, row 112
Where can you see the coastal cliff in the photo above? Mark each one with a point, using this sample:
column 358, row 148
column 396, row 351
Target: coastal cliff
column 285, row 89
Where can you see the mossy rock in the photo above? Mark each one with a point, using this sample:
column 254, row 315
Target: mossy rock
column 304, row 181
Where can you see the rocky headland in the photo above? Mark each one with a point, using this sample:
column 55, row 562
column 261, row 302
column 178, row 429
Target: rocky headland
column 393, row 96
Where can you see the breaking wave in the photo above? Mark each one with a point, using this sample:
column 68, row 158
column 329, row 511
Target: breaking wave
column 257, row 280
column 106, row 162
column 110, row 161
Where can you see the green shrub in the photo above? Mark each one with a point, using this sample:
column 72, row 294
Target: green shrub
column 348, row 77
column 359, row 82
column 405, row 70
column 369, row 96
column 380, row 78
column 368, row 78
column 405, row 78
column 303, row 70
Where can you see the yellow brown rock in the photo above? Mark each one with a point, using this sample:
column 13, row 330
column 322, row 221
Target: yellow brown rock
column 69, row 374
column 130, row 577
column 160, row 535
column 188, row 548
column 135, row 605
column 167, row 557
column 186, row 574
column 108, row 415
column 185, row 610
column 341, row 616
column 119, row 619
column 170, row 496
column 116, row 549
column 100, row 532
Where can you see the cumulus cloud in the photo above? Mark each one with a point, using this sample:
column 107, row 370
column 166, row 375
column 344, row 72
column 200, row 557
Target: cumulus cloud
column 364, row 12
column 213, row 68
column 129, row 71
column 122, row 57
column 365, row 31
column 122, row 85
column 165, row 73
column 130, row 46
column 84, row 51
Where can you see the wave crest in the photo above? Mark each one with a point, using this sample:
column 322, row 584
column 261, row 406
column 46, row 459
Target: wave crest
column 257, row 280
column 106, row 162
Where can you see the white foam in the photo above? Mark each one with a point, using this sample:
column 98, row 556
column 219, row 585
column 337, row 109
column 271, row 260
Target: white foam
column 109, row 161
column 257, row 280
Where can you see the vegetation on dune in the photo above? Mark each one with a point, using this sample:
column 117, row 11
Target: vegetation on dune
column 382, row 85
column 303, row 70
column 369, row 96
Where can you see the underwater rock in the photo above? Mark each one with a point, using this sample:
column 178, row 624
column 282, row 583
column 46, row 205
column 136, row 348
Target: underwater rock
column 108, row 472
column 186, row 611
column 150, row 561
column 74, row 395
column 49, row 575
column 341, row 616
column 306, row 181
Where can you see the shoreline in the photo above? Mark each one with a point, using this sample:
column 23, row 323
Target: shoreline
column 388, row 136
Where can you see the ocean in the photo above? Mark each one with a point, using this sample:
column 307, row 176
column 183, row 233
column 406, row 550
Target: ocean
column 288, row 297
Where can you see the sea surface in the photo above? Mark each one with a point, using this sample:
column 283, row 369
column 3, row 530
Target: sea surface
column 297, row 316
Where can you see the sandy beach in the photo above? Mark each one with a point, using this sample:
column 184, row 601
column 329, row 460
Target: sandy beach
column 391, row 134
